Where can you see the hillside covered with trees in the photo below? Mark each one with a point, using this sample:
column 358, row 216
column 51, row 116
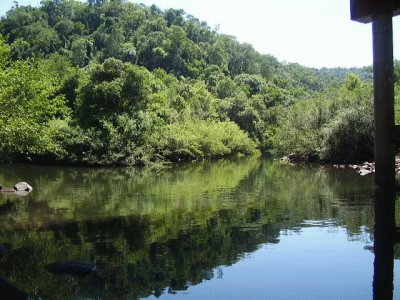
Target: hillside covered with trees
column 115, row 83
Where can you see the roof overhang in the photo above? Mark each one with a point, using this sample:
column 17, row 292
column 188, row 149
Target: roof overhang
column 364, row 10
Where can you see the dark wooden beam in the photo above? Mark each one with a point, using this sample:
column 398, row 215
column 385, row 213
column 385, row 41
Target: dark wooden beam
column 364, row 10
column 382, row 30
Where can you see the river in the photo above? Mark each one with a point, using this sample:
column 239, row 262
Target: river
column 250, row 228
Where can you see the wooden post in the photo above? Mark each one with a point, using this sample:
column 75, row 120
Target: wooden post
column 380, row 13
column 383, row 100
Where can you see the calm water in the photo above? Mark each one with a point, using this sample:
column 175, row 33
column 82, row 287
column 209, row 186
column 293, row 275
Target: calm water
column 232, row 229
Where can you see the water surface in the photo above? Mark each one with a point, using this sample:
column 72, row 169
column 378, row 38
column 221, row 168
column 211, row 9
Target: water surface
column 231, row 229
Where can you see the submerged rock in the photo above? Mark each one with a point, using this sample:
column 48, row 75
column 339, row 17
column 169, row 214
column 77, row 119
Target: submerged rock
column 72, row 268
column 364, row 172
column 364, row 169
column 369, row 167
column 23, row 187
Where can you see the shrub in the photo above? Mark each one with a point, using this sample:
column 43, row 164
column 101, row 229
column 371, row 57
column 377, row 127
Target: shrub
column 349, row 137
column 198, row 139
column 299, row 127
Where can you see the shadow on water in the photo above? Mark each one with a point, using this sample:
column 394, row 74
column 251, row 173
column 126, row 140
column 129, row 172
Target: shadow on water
column 154, row 233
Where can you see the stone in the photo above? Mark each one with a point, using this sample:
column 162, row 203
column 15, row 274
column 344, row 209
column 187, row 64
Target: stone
column 23, row 186
column 364, row 172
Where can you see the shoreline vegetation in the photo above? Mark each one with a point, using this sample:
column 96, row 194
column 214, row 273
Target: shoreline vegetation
column 109, row 83
column 365, row 168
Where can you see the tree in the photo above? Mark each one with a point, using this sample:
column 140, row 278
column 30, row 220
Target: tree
column 114, row 88
column 217, row 55
column 42, row 38
column 30, row 110
column 5, row 52
column 113, row 43
column 81, row 52
column 352, row 81
column 174, row 17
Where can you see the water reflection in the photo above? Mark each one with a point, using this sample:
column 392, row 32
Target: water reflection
column 161, row 233
column 385, row 199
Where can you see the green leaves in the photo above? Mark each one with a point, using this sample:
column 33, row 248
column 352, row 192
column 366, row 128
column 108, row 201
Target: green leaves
column 122, row 83
column 29, row 105
column 81, row 52
column 335, row 127
column 197, row 139
column 349, row 137
column 4, row 53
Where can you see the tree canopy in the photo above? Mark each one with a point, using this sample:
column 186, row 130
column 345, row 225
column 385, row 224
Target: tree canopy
column 109, row 82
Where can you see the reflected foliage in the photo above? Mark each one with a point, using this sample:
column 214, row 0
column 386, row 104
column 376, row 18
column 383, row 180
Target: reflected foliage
column 151, row 233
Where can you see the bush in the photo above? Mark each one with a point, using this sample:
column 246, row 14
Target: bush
column 117, row 141
column 349, row 137
column 335, row 126
column 197, row 139
column 299, row 127
column 29, row 109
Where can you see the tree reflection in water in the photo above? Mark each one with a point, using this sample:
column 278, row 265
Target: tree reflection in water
column 153, row 233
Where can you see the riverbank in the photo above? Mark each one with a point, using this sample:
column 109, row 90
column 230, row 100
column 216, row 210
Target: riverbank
column 363, row 169
column 369, row 167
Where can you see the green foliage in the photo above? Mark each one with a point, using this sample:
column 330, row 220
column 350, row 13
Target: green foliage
column 117, row 74
column 349, row 137
column 4, row 53
column 114, row 87
column 196, row 139
column 119, row 141
column 334, row 127
column 81, row 52
column 29, row 108
column 42, row 38
column 352, row 81
column 299, row 127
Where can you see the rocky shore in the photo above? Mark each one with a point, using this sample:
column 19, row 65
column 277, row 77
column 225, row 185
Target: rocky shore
column 363, row 169
column 369, row 167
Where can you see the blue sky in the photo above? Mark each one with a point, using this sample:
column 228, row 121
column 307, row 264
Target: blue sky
column 314, row 33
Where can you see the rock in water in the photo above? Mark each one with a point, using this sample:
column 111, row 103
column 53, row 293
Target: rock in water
column 72, row 268
column 364, row 172
column 22, row 187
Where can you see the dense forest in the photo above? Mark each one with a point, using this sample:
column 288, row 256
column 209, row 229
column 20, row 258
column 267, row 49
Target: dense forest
column 116, row 83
